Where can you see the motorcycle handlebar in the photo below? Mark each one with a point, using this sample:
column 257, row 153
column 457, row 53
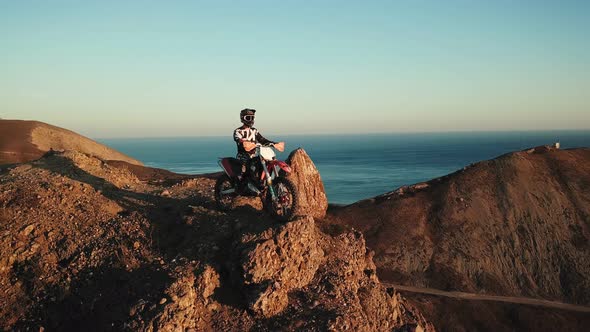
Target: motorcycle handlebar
column 249, row 146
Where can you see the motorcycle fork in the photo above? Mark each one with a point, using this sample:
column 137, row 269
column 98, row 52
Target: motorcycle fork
column 268, row 180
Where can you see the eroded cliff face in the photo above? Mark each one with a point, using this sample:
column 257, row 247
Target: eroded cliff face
column 518, row 225
column 86, row 245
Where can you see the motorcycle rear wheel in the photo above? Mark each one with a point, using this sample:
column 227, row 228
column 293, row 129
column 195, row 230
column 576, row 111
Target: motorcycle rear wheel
column 287, row 200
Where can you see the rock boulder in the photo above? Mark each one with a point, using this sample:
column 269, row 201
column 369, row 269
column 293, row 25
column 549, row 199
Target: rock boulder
column 277, row 261
column 306, row 177
column 187, row 305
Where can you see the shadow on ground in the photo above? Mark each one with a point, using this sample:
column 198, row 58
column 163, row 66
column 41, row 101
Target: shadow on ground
column 181, row 230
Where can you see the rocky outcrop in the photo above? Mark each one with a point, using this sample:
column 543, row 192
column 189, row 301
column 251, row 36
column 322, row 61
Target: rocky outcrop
column 351, row 276
column 310, row 188
column 296, row 270
column 277, row 261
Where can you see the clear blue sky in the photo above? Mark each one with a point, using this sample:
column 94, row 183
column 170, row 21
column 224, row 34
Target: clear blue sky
column 184, row 68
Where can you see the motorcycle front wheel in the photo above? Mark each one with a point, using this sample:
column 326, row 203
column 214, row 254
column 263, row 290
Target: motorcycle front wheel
column 285, row 205
column 225, row 192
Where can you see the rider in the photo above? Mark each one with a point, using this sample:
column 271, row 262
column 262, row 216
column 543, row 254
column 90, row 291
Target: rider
column 247, row 134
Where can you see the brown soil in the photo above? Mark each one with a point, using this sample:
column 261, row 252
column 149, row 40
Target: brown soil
column 92, row 245
column 22, row 141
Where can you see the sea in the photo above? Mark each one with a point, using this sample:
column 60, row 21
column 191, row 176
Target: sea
column 354, row 167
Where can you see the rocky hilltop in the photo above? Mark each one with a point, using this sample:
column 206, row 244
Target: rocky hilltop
column 22, row 141
column 104, row 243
column 91, row 245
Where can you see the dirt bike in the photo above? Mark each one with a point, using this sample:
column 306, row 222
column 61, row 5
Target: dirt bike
column 266, row 179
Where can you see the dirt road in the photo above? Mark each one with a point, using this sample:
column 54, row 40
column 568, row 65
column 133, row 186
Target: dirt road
column 485, row 297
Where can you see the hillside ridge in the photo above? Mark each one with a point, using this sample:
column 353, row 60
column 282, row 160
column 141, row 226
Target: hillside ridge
column 24, row 140
column 516, row 225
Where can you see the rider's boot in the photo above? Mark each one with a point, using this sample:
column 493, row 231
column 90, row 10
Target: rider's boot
column 252, row 187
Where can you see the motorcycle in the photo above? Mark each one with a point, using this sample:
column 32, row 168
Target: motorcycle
column 266, row 179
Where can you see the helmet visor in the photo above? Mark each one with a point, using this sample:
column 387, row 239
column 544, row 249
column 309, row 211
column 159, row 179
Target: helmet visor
column 248, row 118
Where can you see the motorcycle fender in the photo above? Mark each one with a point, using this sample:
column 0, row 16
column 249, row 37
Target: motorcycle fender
column 227, row 167
column 284, row 166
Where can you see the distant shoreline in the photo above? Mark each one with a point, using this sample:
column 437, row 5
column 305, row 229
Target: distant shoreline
column 271, row 133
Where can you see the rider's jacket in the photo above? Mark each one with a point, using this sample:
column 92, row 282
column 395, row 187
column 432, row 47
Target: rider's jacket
column 250, row 134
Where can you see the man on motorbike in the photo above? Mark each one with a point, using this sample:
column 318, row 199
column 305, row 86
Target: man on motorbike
column 246, row 137
column 256, row 172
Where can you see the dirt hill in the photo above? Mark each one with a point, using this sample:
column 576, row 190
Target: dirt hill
column 518, row 225
column 22, row 141
column 94, row 244
column 91, row 245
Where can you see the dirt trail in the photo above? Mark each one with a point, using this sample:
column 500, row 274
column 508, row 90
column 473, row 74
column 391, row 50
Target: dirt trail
column 495, row 298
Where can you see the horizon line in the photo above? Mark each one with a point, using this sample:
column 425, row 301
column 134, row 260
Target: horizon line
column 466, row 131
